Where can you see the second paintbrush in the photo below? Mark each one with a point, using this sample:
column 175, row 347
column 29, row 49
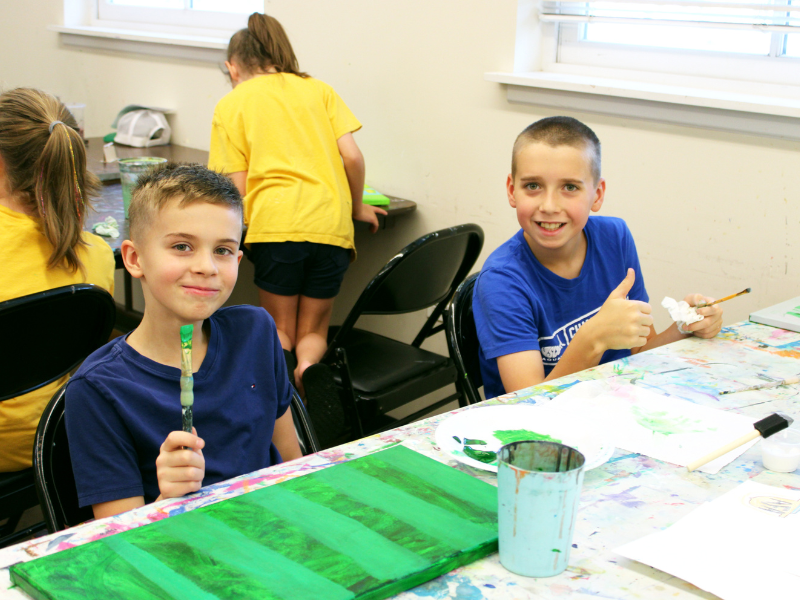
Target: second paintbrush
column 187, row 381
column 763, row 386
column 702, row 305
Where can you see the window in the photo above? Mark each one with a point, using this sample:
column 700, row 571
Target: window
column 228, row 15
column 188, row 29
column 748, row 40
column 732, row 65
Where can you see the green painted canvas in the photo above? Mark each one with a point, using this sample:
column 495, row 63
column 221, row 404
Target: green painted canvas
column 369, row 528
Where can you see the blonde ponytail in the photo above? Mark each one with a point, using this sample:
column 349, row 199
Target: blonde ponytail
column 45, row 163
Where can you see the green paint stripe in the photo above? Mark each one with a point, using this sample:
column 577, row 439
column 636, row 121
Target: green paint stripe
column 174, row 584
column 280, row 575
column 378, row 556
column 432, row 520
column 389, row 527
column 441, row 476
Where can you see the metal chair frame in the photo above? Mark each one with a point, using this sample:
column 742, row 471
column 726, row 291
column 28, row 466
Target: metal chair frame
column 462, row 340
column 377, row 300
column 46, row 335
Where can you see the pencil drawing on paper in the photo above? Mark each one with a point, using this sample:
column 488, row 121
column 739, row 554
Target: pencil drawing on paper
column 774, row 505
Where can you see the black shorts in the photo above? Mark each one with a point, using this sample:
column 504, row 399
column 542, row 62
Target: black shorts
column 306, row 268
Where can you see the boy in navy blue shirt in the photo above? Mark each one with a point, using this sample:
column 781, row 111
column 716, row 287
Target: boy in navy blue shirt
column 566, row 292
column 122, row 406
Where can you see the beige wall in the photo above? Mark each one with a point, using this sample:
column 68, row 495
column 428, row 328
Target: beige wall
column 710, row 212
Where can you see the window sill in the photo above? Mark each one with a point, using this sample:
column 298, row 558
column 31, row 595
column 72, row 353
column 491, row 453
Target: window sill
column 171, row 45
column 774, row 115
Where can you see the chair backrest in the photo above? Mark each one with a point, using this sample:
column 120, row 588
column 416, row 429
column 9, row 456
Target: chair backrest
column 462, row 339
column 52, row 466
column 55, row 481
column 47, row 334
column 425, row 273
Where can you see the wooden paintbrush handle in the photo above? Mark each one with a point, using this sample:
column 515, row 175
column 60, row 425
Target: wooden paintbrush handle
column 724, row 450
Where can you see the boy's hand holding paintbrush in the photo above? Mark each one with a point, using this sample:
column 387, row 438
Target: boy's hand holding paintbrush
column 707, row 309
column 711, row 324
column 180, row 465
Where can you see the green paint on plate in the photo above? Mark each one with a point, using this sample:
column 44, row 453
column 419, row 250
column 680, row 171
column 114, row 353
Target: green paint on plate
column 471, row 442
column 795, row 312
column 509, row 436
column 484, row 456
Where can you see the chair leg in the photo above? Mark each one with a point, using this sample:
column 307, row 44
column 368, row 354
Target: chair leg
column 323, row 401
column 463, row 395
column 347, row 394
column 10, row 525
column 9, row 538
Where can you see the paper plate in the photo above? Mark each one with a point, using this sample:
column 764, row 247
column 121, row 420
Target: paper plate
column 493, row 424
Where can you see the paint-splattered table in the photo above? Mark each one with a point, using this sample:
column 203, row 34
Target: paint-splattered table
column 628, row 497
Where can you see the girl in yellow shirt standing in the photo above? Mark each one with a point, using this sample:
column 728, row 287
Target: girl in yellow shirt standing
column 286, row 140
column 44, row 195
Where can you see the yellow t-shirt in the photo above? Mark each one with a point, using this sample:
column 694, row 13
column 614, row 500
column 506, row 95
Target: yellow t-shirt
column 282, row 129
column 23, row 255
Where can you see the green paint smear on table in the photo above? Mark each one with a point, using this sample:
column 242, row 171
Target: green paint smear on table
column 795, row 312
column 509, row 436
column 660, row 421
column 366, row 529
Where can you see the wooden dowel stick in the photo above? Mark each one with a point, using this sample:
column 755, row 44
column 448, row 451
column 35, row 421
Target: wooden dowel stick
column 755, row 434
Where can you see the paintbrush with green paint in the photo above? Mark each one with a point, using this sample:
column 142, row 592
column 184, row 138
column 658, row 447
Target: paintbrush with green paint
column 187, row 382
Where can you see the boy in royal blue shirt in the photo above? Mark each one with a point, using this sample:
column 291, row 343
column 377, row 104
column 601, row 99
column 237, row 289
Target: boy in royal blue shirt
column 123, row 410
column 566, row 292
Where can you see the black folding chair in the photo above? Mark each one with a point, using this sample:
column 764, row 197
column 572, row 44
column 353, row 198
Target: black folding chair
column 378, row 374
column 45, row 336
column 55, row 481
column 306, row 436
column 462, row 340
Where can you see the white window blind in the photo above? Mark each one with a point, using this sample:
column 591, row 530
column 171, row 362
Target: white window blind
column 732, row 65
column 761, row 16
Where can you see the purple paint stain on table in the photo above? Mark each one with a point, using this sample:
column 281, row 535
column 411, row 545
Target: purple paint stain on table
column 626, row 498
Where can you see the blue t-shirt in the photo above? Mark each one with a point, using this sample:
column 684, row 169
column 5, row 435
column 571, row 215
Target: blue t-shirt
column 521, row 305
column 120, row 407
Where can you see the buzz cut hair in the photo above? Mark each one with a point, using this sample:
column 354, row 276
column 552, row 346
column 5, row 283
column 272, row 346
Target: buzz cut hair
column 560, row 131
column 185, row 182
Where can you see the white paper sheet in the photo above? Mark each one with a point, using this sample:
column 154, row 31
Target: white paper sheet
column 666, row 428
column 742, row 546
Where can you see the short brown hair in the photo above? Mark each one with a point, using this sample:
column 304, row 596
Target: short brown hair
column 45, row 163
column 559, row 131
column 184, row 182
column 262, row 45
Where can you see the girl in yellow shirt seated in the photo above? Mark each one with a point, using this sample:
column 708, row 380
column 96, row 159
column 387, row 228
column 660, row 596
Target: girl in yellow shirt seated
column 44, row 195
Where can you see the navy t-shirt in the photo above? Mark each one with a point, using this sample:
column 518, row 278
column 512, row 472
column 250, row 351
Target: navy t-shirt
column 521, row 305
column 120, row 407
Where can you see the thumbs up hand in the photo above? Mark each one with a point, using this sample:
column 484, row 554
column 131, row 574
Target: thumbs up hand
column 622, row 324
